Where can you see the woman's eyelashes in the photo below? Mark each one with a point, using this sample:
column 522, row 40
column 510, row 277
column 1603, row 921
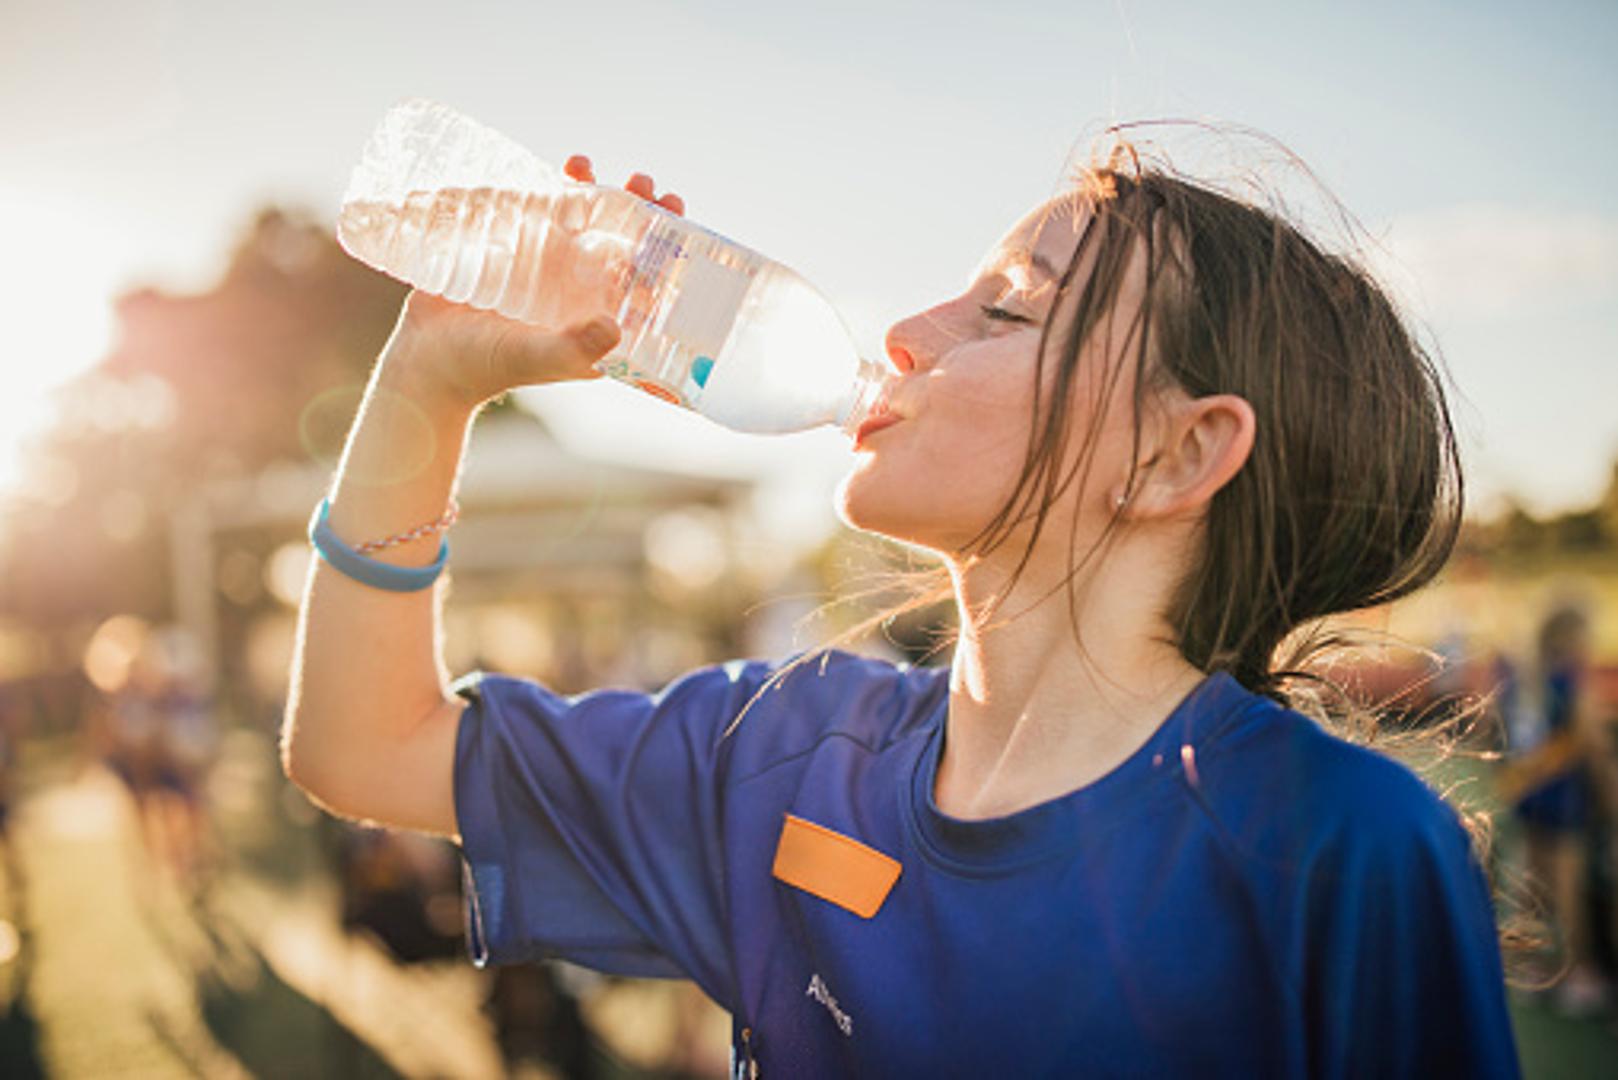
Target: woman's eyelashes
column 996, row 313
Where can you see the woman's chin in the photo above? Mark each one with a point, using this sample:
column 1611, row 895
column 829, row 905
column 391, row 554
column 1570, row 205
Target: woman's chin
column 863, row 504
column 850, row 501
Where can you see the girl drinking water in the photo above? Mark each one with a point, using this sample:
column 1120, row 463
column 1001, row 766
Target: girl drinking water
column 1159, row 432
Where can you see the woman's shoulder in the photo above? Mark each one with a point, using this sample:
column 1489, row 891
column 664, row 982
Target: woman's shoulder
column 859, row 694
column 871, row 701
column 777, row 711
column 1281, row 784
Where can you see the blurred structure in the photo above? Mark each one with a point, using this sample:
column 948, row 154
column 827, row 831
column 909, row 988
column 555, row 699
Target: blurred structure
column 151, row 567
column 198, row 391
column 572, row 571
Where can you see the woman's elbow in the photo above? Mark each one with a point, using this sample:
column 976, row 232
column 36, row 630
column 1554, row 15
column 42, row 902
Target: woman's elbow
column 302, row 761
column 401, row 781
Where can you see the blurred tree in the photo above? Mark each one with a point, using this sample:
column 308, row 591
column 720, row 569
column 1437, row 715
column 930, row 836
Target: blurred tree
column 1608, row 506
column 1581, row 531
column 198, row 389
column 1517, row 532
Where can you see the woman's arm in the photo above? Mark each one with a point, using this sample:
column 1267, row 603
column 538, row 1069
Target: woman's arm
column 370, row 725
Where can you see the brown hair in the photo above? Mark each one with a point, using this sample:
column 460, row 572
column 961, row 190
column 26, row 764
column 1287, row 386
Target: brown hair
column 1352, row 496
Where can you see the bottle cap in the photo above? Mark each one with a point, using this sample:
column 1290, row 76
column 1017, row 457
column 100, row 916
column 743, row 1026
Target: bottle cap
column 868, row 395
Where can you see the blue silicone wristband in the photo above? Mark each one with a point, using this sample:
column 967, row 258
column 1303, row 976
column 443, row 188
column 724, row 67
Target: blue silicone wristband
column 365, row 570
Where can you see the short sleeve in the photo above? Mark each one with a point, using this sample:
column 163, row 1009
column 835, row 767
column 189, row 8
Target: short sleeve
column 1403, row 976
column 591, row 826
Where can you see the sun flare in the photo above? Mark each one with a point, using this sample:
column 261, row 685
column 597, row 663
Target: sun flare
column 56, row 288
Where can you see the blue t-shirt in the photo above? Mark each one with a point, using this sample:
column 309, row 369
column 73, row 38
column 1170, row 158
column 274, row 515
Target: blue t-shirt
column 1244, row 896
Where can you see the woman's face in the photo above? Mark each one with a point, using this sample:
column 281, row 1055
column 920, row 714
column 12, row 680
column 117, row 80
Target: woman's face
column 964, row 403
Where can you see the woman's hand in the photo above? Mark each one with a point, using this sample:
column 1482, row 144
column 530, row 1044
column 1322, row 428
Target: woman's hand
column 578, row 167
column 370, row 728
column 461, row 356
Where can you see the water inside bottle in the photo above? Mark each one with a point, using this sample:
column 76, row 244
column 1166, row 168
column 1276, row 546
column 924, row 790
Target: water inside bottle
column 707, row 324
column 543, row 258
column 790, row 364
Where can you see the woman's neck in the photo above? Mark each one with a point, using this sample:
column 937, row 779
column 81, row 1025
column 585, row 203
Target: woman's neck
column 1035, row 714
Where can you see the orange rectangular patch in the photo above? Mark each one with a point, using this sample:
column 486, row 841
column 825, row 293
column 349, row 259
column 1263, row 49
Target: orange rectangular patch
column 834, row 867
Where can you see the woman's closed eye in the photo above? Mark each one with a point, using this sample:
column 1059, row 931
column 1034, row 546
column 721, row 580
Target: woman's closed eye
column 995, row 313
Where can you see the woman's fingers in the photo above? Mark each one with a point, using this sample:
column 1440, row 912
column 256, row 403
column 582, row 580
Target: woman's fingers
column 524, row 355
column 640, row 184
column 578, row 167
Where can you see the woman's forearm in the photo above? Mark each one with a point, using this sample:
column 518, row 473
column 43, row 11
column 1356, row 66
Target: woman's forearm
column 367, row 666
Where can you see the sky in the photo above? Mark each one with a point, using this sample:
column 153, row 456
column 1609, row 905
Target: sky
column 878, row 148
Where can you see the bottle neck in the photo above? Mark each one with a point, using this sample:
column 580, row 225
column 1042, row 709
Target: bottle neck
column 867, row 396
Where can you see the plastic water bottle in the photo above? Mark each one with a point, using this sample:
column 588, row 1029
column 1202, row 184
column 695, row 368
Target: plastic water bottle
column 457, row 209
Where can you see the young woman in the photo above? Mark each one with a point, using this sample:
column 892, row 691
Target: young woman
column 1159, row 431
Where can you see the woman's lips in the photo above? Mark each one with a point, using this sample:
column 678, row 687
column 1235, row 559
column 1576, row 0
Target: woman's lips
column 873, row 425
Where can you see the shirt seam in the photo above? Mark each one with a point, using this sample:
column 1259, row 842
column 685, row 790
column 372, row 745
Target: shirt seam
column 820, row 740
column 887, row 739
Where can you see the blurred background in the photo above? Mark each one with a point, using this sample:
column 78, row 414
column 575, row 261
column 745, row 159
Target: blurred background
column 182, row 345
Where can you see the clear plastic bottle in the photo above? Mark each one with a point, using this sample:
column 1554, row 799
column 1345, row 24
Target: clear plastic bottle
column 457, row 209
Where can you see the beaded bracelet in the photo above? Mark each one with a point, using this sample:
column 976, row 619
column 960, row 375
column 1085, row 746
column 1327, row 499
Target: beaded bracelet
column 450, row 517
column 367, row 571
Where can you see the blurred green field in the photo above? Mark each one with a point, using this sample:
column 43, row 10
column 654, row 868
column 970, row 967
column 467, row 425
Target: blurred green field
column 1502, row 608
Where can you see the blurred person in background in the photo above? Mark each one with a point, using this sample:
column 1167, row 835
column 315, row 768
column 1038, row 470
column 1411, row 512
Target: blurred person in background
column 1601, row 765
column 1557, row 809
column 158, row 733
column 12, row 712
column 13, row 721
column 401, row 888
column 1159, row 432
column 190, row 748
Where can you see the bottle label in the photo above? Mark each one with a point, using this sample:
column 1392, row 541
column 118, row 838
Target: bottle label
column 700, row 279
column 686, row 288
column 657, row 250
column 709, row 299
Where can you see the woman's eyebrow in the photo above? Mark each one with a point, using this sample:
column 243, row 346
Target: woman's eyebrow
column 1045, row 266
column 1014, row 261
column 1022, row 260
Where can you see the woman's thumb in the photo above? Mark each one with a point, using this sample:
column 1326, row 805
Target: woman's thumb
column 528, row 357
column 595, row 339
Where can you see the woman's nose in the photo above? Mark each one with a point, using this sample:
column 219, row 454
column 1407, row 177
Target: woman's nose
column 910, row 342
column 901, row 356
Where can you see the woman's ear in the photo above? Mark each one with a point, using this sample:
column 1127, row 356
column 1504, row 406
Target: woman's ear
column 1202, row 443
